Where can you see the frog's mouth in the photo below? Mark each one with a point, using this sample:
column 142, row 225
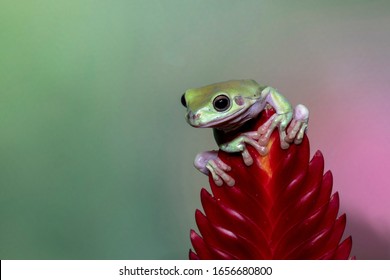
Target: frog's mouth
column 224, row 122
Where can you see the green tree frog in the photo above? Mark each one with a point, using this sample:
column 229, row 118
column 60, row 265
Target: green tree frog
column 228, row 107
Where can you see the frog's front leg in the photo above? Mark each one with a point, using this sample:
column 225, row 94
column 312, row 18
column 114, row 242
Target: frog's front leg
column 280, row 119
column 276, row 120
column 238, row 144
column 209, row 163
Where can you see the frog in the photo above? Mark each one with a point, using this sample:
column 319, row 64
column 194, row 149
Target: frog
column 227, row 107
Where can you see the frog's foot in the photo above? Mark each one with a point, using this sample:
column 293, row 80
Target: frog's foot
column 239, row 145
column 298, row 125
column 209, row 162
column 218, row 171
column 251, row 138
column 276, row 120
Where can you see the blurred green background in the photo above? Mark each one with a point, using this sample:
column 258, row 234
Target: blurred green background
column 95, row 155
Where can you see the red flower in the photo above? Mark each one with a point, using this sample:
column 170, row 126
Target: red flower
column 281, row 207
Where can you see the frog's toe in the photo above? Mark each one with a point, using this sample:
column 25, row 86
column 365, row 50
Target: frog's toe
column 301, row 133
column 261, row 149
column 292, row 130
column 217, row 169
column 248, row 160
column 296, row 132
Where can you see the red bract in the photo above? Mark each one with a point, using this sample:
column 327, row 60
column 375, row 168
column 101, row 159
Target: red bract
column 281, row 207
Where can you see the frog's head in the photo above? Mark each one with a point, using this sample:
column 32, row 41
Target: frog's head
column 225, row 105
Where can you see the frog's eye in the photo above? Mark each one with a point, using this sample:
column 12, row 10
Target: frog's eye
column 183, row 101
column 221, row 103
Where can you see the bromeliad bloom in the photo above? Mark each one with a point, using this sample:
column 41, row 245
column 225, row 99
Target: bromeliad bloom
column 280, row 207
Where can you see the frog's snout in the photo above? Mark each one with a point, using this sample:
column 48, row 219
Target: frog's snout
column 192, row 118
